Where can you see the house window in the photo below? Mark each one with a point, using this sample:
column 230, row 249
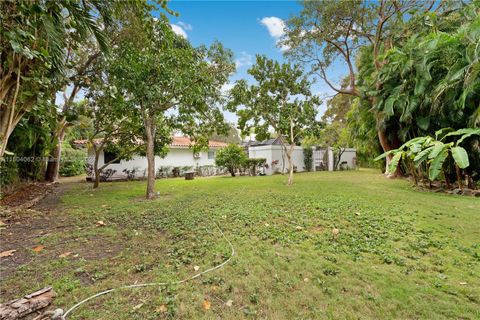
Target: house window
column 211, row 154
column 109, row 156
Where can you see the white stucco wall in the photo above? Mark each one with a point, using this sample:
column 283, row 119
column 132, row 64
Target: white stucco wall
column 176, row 157
column 274, row 152
column 350, row 156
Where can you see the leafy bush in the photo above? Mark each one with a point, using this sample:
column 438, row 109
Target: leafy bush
column 231, row 157
column 252, row 164
column 8, row 172
column 73, row 161
column 428, row 157
column 308, row 158
column 164, row 172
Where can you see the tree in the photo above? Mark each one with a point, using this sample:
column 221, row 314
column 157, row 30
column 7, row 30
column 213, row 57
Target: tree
column 114, row 126
column 281, row 100
column 231, row 157
column 327, row 34
column 431, row 81
column 167, row 80
column 334, row 135
column 33, row 36
column 81, row 57
column 338, row 106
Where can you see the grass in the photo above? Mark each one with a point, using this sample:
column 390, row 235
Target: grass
column 399, row 254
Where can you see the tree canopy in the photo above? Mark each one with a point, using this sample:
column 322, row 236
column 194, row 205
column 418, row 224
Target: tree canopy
column 169, row 82
column 281, row 100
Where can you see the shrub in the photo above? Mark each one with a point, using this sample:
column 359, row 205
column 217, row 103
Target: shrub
column 231, row 157
column 253, row 163
column 308, row 158
column 8, row 172
column 73, row 161
column 164, row 172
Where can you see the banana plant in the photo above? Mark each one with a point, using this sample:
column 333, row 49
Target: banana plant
column 433, row 151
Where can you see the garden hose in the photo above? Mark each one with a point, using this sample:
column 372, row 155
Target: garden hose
column 58, row 313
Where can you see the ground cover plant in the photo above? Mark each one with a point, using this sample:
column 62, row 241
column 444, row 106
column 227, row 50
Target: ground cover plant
column 343, row 245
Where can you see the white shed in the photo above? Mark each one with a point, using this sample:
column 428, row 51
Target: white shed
column 277, row 161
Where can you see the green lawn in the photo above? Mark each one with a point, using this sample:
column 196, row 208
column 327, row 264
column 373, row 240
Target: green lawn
column 399, row 254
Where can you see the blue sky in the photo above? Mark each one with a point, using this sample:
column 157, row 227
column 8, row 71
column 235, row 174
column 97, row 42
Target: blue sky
column 246, row 27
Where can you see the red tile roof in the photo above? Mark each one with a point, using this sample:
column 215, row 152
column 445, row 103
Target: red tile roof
column 177, row 142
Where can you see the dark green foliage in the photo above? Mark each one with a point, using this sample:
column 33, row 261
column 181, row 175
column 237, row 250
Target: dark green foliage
column 429, row 80
column 252, row 164
column 308, row 158
column 30, row 142
column 73, row 161
column 231, row 157
column 428, row 157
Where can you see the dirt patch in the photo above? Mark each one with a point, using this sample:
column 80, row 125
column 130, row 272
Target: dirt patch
column 23, row 229
column 27, row 196
column 22, row 232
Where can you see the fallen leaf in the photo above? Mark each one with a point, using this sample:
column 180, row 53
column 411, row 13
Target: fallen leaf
column 65, row 254
column 306, row 280
column 267, row 225
column 357, row 213
column 38, row 248
column 100, row 223
column 163, row 308
column 206, row 304
column 463, row 283
column 196, row 268
column 335, row 232
column 2, row 224
column 104, row 205
column 229, row 303
column 7, row 253
column 298, row 228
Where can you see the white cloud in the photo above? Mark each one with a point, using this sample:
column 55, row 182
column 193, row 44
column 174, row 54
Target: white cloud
column 179, row 30
column 276, row 29
column 185, row 26
column 244, row 59
column 275, row 26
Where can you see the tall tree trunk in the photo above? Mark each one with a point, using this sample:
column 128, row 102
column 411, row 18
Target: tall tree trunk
column 232, row 171
column 53, row 167
column 150, row 133
column 290, row 152
column 290, row 164
column 290, row 170
column 95, row 168
column 8, row 121
column 386, row 146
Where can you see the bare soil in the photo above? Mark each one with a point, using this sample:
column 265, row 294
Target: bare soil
column 33, row 214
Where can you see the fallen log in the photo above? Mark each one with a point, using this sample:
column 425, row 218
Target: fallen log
column 18, row 308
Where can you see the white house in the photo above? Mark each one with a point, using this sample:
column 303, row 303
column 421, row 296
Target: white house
column 180, row 155
column 277, row 161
